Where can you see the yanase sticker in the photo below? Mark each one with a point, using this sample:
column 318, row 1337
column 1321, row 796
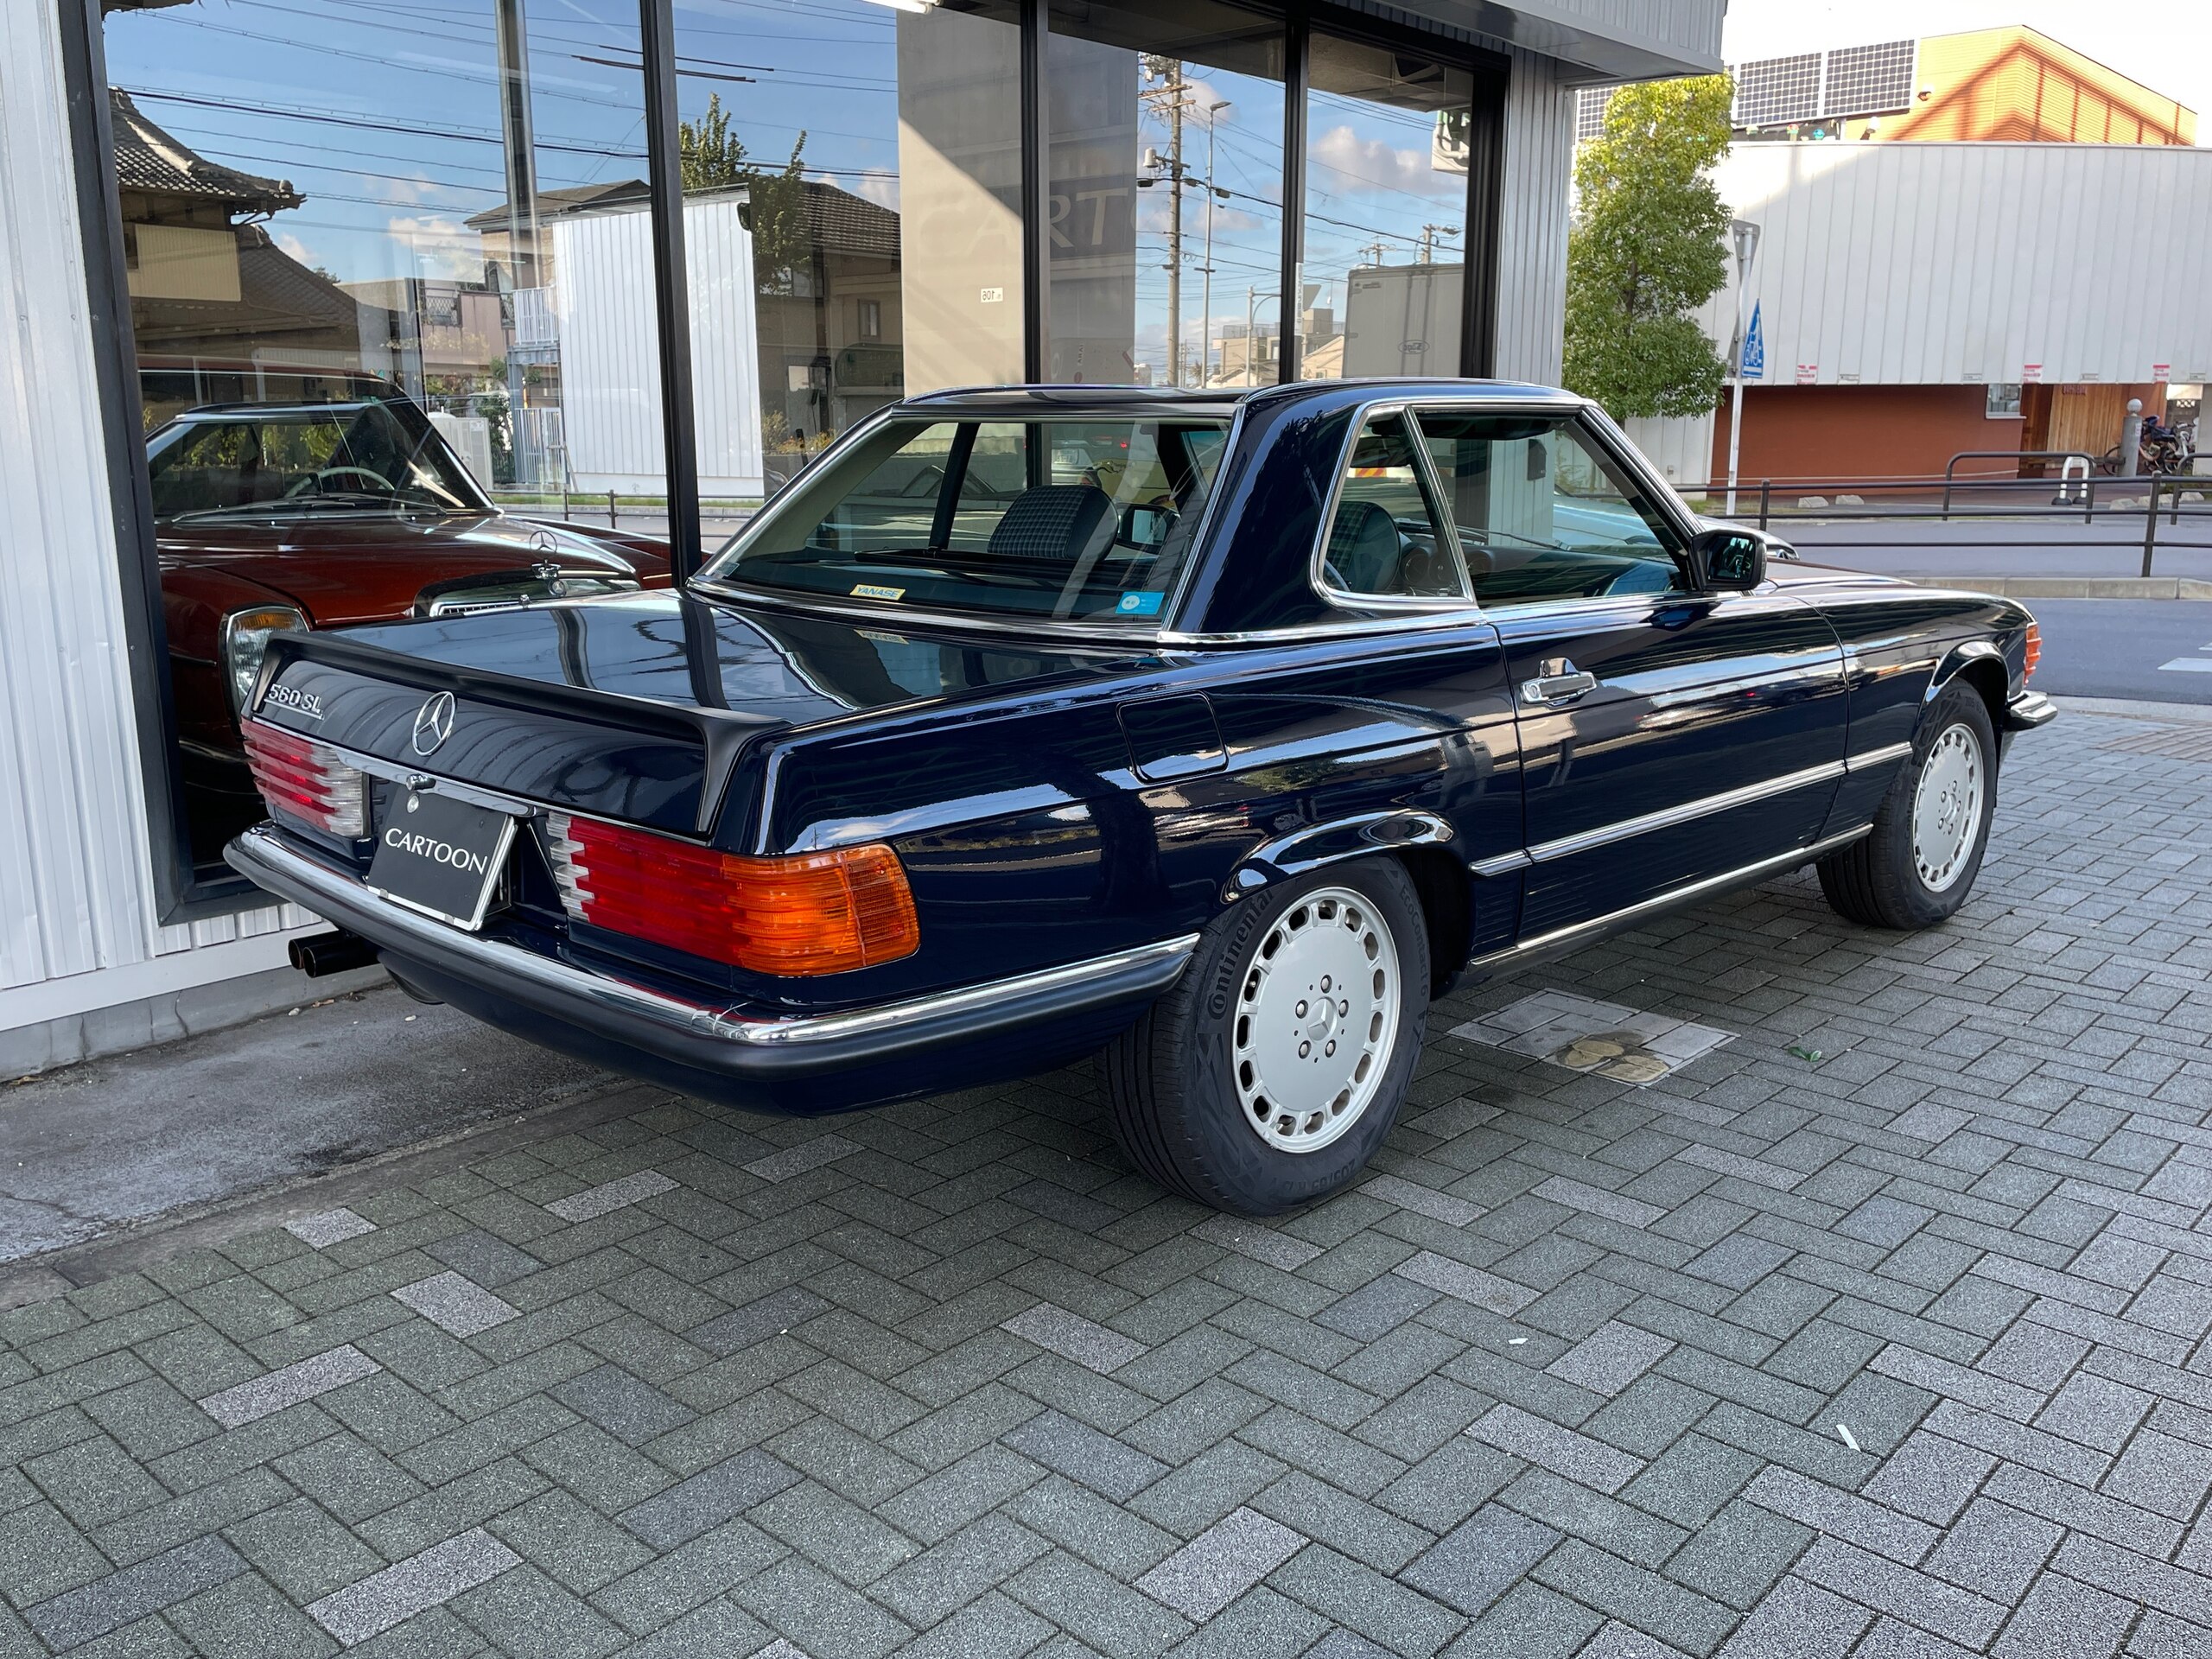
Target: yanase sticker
column 869, row 590
column 1139, row 605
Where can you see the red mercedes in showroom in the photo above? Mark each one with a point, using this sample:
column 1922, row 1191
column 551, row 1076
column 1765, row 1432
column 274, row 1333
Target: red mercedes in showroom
column 343, row 504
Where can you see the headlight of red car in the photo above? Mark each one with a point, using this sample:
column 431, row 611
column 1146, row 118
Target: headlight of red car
column 246, row 642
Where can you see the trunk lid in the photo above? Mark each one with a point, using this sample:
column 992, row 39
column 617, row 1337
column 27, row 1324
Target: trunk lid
column 638, row 707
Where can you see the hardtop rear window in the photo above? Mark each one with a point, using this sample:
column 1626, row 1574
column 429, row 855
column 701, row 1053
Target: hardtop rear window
column 1066, row 518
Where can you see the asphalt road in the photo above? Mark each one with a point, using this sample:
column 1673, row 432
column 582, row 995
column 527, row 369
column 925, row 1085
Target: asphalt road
column 2125, row 647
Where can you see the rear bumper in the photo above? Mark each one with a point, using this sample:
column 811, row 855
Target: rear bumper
column 2028, row 710
column 802, row 1064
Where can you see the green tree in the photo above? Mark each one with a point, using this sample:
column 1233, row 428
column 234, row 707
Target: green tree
column 1645, row 250
column 712, row 157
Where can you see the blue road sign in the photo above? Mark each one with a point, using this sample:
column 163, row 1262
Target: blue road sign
column 1754, row 365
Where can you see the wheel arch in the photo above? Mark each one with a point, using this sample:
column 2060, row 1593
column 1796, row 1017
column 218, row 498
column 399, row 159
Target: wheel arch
column 1979, row 663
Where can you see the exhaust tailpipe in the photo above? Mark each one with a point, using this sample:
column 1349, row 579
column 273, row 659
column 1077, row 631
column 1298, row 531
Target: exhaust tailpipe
column 320, row 954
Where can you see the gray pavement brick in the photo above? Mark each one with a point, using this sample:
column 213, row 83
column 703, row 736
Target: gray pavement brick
column 379, row 1603
column 609, row 1196
column 1737, row 1555
column 1954, row 1614
column 1597, row 1201
column 1221, row 1563
column 1073, row 1337
column 1084, row 1454
column 1408, row 1623
column 1610, row 1357
column 1259, row 1242
column 1421, row 1200
column 1472, row 1285
column 709, row 1498
column 484, row 1258
column 453, row 1305
column 1481, row 1558
column 821, row 1151
column 2096, row 1411
column 1619, row 1641
column 1623, row 1591
column 2063, row 1620
column 329, row 1227
column 1842, row 1515
column 2162, row 1474
column 1738, row 1261
column 632, row 1411
column 771, row 1315
column 1929, row 1477
column 1800, row 1620
column 106, row 1605
column 305, row 1379
column 1994, row 1550
column 1559, row 1450
column 1952, row 1382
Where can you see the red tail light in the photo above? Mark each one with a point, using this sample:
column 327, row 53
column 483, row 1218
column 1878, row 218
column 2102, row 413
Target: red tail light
column 2035, row 651
column 812, row 914
column 305, row 781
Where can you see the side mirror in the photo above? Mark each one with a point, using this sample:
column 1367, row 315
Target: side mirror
column 1146, row 527
column 1728, row 558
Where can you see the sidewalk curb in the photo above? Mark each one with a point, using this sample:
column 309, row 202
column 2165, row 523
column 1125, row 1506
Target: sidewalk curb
column 2173, row 713
column 2071, row 586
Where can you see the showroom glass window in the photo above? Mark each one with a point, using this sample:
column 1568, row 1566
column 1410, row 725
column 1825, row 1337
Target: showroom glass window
column 388, row 263
column 852, row 179
column 1386, row 212
column 1166, row 175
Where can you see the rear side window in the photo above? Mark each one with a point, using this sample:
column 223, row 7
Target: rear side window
column 1088, row 519
column 1386, row 538
column 1540, row 511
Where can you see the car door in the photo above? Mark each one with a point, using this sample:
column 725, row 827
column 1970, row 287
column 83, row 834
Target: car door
column 1668, row 737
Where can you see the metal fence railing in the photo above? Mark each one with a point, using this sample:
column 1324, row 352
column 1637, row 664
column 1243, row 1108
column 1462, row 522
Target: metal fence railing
column 2141, row 503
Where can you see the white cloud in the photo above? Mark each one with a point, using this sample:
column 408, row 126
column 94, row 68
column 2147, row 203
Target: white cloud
column 879, row 187
column 1358, row 166
column 442, row 247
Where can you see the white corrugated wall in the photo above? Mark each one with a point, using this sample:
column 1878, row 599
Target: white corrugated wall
column 610, row 360
column 1926, row 263
column 78, row 929
column 1532, row 221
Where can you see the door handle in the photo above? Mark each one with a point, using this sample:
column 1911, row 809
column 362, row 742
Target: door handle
column 1558, row 683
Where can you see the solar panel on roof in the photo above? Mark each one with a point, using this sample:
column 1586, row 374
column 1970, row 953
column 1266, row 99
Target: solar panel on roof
column 1869, row 80
column 1590, row 111
column 1775, row 92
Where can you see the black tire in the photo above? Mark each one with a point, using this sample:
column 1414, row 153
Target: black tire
column 1173, row 1079
column 1879, row 880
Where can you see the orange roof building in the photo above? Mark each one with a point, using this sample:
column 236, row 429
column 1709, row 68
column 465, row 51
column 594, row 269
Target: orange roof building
column 2015, row 84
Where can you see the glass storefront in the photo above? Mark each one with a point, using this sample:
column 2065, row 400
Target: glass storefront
column 1166, row 192
column 394, row 285
column 1386, row 212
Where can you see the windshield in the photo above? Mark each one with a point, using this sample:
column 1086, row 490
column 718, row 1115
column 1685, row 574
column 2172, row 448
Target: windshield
column 356, row 458
column 1071, row 519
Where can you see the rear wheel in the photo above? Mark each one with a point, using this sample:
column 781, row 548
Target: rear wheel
column 1919, row 863
column 1268, row 1075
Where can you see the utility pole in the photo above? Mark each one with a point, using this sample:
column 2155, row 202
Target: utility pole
column 1205, row 303
column 1168, row 100
column 1746, row 235
column 1428, row 235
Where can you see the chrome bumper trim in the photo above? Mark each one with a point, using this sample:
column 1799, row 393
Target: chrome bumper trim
column 1887, row 755
column 260, row 854
column 2028, row 710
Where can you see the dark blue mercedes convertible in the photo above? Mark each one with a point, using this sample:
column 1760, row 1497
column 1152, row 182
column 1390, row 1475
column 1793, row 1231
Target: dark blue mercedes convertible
column 1222, row 732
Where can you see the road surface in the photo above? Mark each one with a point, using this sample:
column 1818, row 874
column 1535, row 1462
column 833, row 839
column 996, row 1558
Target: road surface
column 2159, row 651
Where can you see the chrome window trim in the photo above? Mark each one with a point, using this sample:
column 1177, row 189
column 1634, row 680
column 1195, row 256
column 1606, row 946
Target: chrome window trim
column 261, row 847
column 1317, row 562
column 1046, row 627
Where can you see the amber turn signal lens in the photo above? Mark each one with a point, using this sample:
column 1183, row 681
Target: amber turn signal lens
column 807, row 914
column 2034, row 652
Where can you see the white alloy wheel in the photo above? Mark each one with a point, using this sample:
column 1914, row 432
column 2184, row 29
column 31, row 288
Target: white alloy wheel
column 1947, row 807
column 1317, row 1018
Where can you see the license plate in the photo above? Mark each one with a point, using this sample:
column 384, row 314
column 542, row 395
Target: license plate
column 440, row 856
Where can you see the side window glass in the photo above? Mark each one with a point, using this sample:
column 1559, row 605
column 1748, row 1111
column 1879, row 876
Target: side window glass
column 1385, row 539
column 997, row 470
column 1543, row 512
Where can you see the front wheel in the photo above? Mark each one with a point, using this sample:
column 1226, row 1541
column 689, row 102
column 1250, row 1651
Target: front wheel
column 1269, row 1075
column 1917, row 865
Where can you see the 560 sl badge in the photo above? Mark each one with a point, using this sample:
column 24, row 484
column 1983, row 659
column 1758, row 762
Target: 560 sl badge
column 300, row 702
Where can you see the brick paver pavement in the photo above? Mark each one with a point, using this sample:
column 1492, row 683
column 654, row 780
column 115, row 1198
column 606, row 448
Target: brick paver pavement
column 1900, row 1353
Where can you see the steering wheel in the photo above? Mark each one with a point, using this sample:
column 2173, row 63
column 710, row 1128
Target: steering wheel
column 316, row 479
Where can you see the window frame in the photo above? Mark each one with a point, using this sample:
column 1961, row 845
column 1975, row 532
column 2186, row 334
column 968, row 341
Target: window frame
column 1432, row 491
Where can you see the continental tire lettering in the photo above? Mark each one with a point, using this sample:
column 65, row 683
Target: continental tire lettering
column 438, row 852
